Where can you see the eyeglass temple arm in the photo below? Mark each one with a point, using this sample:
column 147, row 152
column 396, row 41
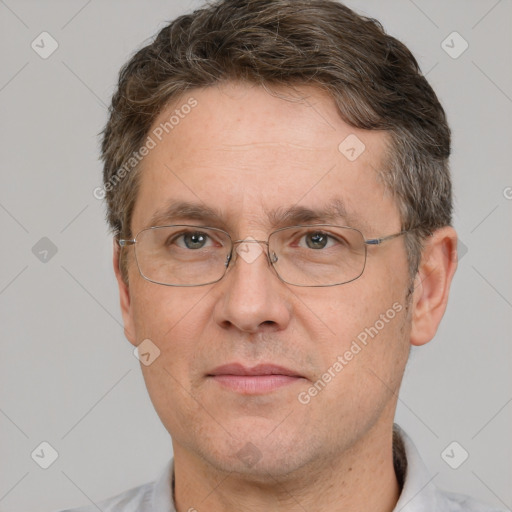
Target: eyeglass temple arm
column 378, row 241
column 124, row 243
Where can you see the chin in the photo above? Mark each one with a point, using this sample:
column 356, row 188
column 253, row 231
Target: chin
column 258, row 451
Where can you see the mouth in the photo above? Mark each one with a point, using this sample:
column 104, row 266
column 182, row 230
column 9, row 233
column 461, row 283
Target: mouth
column 256, row 380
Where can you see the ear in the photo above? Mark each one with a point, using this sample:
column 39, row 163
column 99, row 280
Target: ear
column 432, row 284
column 124, row 297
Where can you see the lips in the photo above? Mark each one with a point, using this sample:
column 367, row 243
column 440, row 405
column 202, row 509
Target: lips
column 258, row 370
column 259, row 379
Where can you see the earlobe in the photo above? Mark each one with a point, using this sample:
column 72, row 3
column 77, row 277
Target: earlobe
column 124, row 296
column 432, row 284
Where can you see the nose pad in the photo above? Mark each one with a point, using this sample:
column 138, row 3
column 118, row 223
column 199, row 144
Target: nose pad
column 271, row 257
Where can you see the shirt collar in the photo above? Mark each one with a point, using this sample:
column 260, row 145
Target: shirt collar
column 162, row 492
column 418, row 494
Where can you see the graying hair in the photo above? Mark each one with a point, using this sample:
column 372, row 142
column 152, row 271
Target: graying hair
column 374, row 79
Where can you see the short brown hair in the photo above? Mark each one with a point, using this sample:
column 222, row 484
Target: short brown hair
column 374, row 79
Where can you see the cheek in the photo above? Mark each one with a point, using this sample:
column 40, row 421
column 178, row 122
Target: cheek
column 369, row 338
column 370, row 328
column 169, row 391
column 173, row 321
column 362, row 371
column 159, row 310
column 177, row 323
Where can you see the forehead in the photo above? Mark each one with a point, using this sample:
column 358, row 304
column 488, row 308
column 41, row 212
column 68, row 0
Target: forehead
column 246, row 154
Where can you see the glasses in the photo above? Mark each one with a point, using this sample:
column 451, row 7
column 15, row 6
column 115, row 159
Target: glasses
column 313, row 255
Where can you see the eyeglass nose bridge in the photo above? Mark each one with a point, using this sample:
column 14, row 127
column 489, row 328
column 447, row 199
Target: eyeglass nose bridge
column 270, row 258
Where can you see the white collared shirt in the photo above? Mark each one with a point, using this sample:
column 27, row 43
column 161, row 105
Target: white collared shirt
column 419, row 494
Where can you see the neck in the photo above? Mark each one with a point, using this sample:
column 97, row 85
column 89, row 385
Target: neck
column 361, row 478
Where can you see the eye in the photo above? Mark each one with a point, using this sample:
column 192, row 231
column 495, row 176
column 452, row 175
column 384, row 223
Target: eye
column 317, row 240
column 192, row 240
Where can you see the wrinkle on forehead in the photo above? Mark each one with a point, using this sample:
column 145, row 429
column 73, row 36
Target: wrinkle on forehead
column 256, row 145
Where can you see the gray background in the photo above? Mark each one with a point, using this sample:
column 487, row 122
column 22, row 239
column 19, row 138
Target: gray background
column 67, row 374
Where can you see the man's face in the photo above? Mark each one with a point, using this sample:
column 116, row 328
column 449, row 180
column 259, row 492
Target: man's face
column 244, row 153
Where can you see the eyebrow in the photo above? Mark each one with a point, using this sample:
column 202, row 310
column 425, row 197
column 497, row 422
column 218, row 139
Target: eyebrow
column 184, row 210
column 333, row 212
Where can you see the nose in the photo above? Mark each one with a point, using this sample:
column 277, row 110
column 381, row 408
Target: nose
column 251, row 296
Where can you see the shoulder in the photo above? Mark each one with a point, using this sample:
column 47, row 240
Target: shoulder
column 419, row 492
column 137, row 499
column 156, row 495
column 460, row 503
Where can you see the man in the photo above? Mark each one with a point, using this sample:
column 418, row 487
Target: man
column 276, row 175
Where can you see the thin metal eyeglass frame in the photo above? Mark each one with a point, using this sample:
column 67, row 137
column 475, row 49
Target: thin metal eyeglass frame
column 370, row 241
